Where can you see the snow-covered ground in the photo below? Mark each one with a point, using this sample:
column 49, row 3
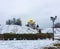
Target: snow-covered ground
column 22, row 44
column 16, row 29
column 56, row 32
column 25, row 44
column 49, row 30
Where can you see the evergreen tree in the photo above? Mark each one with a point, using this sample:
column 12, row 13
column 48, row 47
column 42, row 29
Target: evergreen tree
column 14, row 21
column 39, row 30
column 37, row 26
column 19, row 22
column 27, row 25
column 9, row 22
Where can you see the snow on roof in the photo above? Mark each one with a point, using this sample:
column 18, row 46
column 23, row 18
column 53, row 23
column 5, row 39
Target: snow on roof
column 16, row 29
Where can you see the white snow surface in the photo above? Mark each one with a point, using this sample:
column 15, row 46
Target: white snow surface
column 49, row 30
column 16, row 29
column 56, row 32
column 25, row 44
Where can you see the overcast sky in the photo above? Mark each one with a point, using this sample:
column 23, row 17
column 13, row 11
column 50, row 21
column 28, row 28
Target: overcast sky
column 38, row 10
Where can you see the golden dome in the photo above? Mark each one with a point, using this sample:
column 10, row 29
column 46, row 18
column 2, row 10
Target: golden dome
column 30, row 20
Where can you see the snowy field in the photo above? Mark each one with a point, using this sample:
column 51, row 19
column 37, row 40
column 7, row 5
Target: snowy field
column 25, row 44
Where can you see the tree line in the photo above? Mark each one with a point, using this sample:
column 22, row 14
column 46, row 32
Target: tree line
column 14, row 21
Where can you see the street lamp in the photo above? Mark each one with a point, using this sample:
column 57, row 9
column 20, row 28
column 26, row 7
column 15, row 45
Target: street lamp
column 53, row 20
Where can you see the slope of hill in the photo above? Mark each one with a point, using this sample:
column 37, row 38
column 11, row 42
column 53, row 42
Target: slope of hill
column 16, row 29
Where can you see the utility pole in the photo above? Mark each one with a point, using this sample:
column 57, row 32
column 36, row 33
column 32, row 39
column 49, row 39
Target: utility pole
column 53, row 20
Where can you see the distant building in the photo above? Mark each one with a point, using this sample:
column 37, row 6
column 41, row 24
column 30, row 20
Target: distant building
column 32, row 24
